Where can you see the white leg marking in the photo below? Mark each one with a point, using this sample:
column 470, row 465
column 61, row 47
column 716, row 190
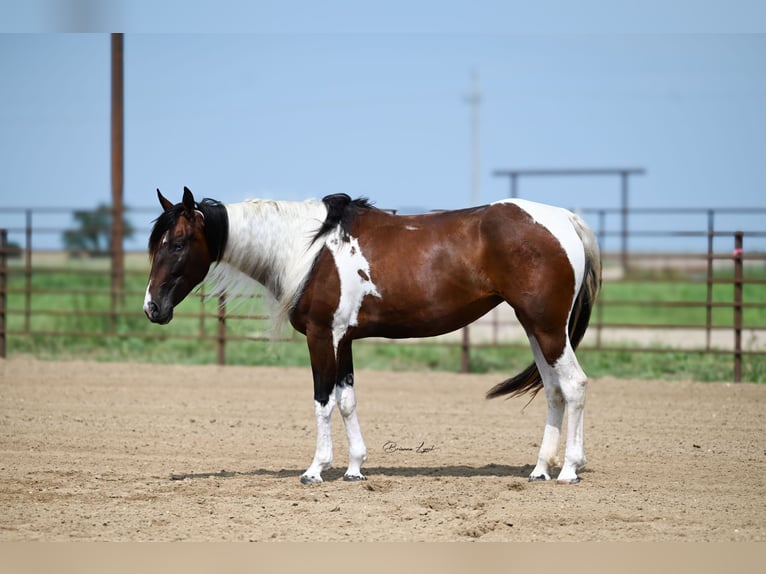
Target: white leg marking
column 565, row 384
column 573, row 383
column 355, row 283
column 357, row 451
column 323, row 455
column 548, row 455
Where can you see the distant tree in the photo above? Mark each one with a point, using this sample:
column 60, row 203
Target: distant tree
column 94, row 232
column 13, row 250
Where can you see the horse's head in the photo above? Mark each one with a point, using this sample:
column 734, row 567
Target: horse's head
column 180, row 256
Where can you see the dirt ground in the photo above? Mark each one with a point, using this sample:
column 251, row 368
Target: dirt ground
column 129, row 452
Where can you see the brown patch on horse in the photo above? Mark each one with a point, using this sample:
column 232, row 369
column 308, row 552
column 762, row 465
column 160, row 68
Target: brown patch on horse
column 529, row 380
column 543, row 282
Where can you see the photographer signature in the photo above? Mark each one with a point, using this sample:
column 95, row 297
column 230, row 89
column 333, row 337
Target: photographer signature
column 392, row 446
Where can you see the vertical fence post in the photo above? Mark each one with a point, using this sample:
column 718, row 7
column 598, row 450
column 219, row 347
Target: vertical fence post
column 114, row 302
column 738, row 281
column 465, row 351
column 709, row 295
column 117, row 232
column 202, row 299
column 624, row 212
column 28, row 273
column 3, row 290
column 600, row 308
column 222, row 329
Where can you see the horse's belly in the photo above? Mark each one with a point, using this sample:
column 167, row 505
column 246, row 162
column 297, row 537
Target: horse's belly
column 423, row 320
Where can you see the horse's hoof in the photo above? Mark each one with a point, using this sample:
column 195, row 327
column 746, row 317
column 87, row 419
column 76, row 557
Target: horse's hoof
column 574, row 480
column 306, row 479
column 539, row 478
column 354, row 477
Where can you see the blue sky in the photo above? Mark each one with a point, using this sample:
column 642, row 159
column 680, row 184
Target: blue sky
column 296, row 113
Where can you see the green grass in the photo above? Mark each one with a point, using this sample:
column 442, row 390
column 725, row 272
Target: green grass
column 115, row 338
column 670, row 365
column 659, row 292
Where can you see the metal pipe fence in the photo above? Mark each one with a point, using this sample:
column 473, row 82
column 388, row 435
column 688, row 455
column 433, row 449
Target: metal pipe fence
column 33, row 284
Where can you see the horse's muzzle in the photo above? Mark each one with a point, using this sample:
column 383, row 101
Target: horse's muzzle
column 155, row 314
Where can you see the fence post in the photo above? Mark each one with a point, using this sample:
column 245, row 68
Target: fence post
column 202, row 299
column 624, row 212
column 709, row 294
column 3, row 290
column 465, row 351
column 222, row 329
column 602, row 246
column 738, row 281
column 28, row 273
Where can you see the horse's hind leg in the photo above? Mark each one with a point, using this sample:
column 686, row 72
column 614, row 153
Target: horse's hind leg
column 573, row 383
column 565, row 384
column 549, row 446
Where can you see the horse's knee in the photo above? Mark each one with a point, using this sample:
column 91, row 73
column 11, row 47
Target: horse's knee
column 346, row 399
column 574, row 392
column 554, row 396
column 572, row 380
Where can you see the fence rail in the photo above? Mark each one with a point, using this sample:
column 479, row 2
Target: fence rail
column 32, row 281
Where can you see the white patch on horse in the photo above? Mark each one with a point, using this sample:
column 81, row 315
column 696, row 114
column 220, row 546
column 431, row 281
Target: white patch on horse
column 323, row 455
column 355, row 282
column 345, row 396
column 147, row 297
column 271, row 243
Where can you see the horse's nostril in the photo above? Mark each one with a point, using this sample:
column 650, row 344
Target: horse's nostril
column 152, row 309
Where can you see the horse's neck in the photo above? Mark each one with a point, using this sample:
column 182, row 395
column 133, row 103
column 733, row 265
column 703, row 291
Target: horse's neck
column 271, row 242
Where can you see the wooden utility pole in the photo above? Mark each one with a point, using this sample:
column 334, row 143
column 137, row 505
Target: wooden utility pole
column 118, row 231
column 474, row 100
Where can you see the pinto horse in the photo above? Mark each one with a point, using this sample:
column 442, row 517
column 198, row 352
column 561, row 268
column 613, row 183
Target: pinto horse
column 340, row 270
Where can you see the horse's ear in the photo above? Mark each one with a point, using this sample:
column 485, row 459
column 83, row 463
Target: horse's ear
column 164, row 202
column 188, row 200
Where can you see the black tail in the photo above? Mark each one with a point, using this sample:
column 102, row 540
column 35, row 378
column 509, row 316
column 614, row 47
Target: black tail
column 529, row 380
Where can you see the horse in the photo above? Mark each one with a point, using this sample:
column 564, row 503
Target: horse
column 341, row 269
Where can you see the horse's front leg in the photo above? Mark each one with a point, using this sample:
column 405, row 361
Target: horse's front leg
column 345, row 396
column 323, row 368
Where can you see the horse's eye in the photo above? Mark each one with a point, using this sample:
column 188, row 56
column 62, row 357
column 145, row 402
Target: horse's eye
column 177, row 247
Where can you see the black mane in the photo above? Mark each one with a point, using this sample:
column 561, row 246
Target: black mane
column 216, row 226
column 341, row 210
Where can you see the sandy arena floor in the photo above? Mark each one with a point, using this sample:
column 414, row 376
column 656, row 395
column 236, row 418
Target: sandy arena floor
column 128, row 452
